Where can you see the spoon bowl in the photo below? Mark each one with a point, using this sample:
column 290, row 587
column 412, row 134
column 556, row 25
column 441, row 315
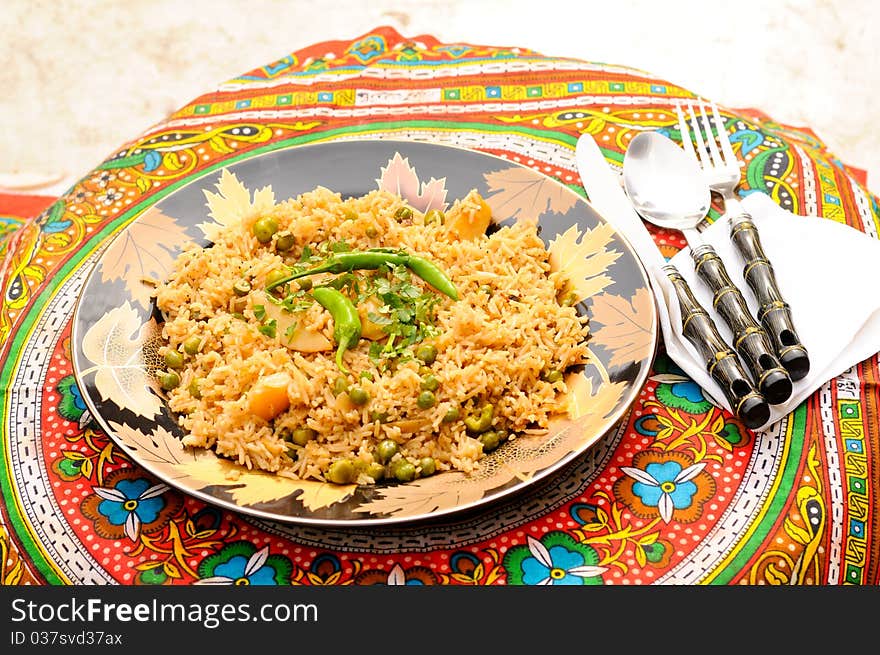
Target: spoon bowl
column 664, row 184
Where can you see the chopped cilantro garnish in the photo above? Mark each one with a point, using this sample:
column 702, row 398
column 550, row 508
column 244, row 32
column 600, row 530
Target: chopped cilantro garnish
column 406, row 313
column 268, row 328
column 297, row 302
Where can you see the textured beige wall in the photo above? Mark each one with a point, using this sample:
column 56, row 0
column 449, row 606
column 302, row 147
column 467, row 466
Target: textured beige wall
column 80, row 78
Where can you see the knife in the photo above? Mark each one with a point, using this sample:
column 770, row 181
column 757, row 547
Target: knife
column 608, row 197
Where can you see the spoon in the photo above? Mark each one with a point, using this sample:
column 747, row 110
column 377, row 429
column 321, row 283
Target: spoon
column 667, row 188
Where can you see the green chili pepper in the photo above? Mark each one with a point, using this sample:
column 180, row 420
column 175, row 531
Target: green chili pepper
column 346, row 322
column 431, row 274
column 345, row 262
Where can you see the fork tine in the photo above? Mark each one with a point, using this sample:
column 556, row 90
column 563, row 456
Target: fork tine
column 724, row 138
column 710, row 138
column 702, row 155
column 686, row 142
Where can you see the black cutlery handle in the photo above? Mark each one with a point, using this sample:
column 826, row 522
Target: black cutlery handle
column 775, row 313
column 749, row 338
column 721, row 362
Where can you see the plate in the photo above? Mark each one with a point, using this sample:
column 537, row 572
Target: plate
column 116, row 326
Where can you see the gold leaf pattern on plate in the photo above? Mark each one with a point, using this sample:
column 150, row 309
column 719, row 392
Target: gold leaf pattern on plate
column 196, row 468
column 582, row 258
column 233, row 204
column 400, row 178
column 146, row 249
column 525, row 195
column 122, row 348
column 159, row 447
column 251, row 487
column 438, row 492
column 625, row 326
column 583, row 401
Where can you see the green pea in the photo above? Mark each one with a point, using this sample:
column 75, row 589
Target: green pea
column 490, row 441
column 379, row 417
column 435, row 216
column 430, row 383
column 264, row 229
column 285, row 242
column 302, row 436
column 386, row 449
column 173, row 359
column 451, row 415
column 482, row 421
column 241, row 288
column 192, row 344
column 427, row 353
column 372, row 232
column 403, row 470
column 426, row 400
column 403, row 213
column 194, row 391
column 340, row 385
column 375, row 471
column 275, row 275
column 342, row 471
column 553, row 375
column 485, row 288
column 428, row 466
column 304, row 283
column 358, row 395
column 169, row 380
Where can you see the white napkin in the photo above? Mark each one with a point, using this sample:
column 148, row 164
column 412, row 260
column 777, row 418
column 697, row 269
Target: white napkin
column 826, row 271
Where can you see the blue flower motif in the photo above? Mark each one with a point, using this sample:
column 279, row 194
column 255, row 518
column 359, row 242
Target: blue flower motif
column 677, row 390
column 131, row 503
column 665, row 485
column 77, row 397
column 239, row 568
column 689, row 390
column 70, row 402
column 557, row 559
column 242, row 564
column 559, row 567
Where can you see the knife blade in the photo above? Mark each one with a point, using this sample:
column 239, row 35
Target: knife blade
column 608, row 197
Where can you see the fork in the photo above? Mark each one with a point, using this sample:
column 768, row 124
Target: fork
column 722, row 170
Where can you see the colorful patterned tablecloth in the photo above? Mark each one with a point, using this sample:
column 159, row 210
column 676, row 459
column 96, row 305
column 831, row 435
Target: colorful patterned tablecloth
column 797, row 504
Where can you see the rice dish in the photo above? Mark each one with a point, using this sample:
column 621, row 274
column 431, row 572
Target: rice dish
column 460, row 338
